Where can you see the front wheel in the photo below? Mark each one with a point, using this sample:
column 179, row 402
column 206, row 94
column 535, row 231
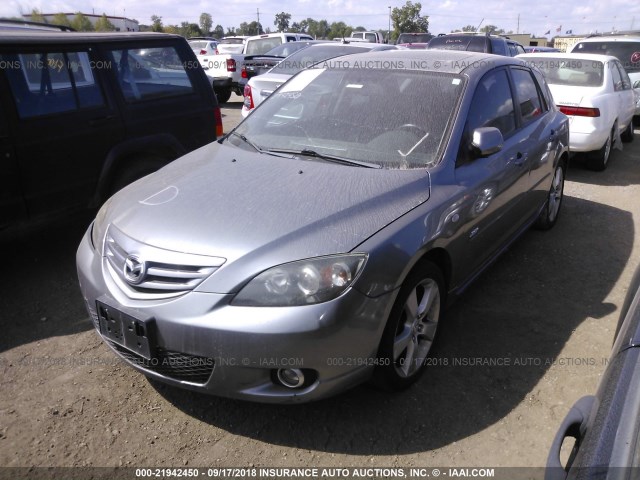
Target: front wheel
column 549, row 214
column 411, row 329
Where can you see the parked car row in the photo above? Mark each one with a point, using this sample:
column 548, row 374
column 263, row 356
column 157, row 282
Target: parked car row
column 225, row 70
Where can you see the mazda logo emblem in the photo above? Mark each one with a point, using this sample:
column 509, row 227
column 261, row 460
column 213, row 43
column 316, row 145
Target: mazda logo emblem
column 134, row 270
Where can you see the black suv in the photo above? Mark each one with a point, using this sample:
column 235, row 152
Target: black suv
column 82, row 115
column 475, row 42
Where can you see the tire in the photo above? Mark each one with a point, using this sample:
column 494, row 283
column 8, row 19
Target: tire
column 129, row 172
column 599, row 160
column 551, row 211
column 627, row 135
column 223, row 94
column 411, row 329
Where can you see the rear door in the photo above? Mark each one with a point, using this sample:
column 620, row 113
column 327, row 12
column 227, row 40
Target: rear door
column 64, row 123
column 626, row 97
column 538, row 141
column 497, row 183
column 162, row 91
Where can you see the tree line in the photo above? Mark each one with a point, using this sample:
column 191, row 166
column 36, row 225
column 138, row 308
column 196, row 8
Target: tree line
column 407, row 18
column 79, row 22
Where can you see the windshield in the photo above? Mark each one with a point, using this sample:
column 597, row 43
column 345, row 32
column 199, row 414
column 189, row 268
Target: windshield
column 260, row 46
column 414, row 38
column 308, row 57
column 459, row 42
column 232, row 41
column 384, row 117
column 565, row 71
column 627, row 52
column 287, row 49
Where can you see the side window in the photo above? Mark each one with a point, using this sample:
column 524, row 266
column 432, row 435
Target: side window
column 51, row 82
column 150, row 73
column 499, row 47
column 526, row 94
column 291, row 39
column 544, row 89
column 492, row 106
column 626, row 81
column 617, row 79
column 512, row 50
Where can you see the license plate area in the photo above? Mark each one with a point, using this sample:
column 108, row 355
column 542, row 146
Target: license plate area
column 129, row 331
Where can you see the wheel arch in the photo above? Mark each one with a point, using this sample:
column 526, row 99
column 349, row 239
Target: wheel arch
column 163, row 147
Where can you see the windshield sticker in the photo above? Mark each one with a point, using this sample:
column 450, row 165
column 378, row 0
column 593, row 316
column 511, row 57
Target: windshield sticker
column 635, row 57
column 455, row 81
column 351, row 85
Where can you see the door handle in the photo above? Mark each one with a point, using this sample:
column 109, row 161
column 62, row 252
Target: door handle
column 519, row 159
column 100, row 120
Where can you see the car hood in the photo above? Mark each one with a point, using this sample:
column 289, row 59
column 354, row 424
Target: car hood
column 259, row 210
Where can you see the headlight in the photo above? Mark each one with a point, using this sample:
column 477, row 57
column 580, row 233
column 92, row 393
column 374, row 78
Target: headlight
column 99, row 227
column 304, row 282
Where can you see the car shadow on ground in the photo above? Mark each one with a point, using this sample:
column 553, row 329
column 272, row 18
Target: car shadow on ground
column 618, row 173
column 40, row 295
column 521, row 309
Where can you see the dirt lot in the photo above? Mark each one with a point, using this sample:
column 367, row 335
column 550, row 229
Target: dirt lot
column 547, row 309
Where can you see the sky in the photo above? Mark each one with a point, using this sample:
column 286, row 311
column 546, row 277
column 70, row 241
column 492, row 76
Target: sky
column 519, row 16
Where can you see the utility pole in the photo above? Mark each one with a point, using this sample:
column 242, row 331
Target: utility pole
column 258, row 10
column 389, row 31
column 518, row 28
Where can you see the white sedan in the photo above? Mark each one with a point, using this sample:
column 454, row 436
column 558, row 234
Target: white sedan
column 596, row 93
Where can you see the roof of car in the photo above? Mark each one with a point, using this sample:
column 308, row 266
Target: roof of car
column 348, row 41
column 589, row 57
column 611, row 38
column 446, row 61
column 39, row 37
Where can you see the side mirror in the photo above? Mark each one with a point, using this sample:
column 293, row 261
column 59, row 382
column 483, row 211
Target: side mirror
column 486, row 141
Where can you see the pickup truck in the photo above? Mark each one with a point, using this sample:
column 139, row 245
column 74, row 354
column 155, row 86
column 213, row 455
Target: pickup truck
column 225, row 70
column 372, row 37
column 259, row 64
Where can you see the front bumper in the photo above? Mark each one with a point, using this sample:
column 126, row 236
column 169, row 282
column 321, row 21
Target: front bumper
column 236, row 351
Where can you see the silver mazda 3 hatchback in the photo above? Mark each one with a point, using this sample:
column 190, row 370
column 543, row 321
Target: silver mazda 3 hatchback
column 316, row 245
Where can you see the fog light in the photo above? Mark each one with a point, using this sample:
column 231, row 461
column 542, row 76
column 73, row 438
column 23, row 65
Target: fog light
column 290, row 377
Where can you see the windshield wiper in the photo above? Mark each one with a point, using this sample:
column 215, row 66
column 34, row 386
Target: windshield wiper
column 244, row 139
column 331, row 158
column 256, row 147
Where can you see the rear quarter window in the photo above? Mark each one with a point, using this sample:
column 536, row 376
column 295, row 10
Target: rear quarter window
column 51, row 82
column 151, row 73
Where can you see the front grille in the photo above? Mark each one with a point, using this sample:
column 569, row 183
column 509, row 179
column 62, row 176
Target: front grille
column 166, row 273
column 170, row 364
